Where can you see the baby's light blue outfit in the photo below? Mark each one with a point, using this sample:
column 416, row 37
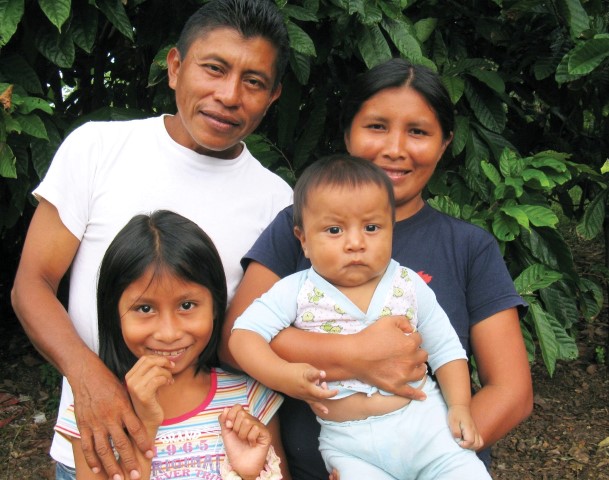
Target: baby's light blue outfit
column 411, row 443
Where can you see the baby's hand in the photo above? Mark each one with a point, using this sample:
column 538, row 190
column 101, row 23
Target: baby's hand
column 246, row 441
column 463, row 428
column 307, row 383
column 149, row 373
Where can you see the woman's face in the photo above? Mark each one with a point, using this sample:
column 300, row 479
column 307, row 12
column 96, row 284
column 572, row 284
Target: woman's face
column 398, row 131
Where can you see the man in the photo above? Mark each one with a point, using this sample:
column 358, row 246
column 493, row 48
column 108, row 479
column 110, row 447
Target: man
column 226, row 72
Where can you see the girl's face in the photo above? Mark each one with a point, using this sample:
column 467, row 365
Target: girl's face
column 398, row 131
column 167, row 316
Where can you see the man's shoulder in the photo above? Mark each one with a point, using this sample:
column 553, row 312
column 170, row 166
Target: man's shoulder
column 115, row 127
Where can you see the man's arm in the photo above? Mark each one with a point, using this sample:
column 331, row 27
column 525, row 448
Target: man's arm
column 380, row 355
column 506, row 396
column 101, row 403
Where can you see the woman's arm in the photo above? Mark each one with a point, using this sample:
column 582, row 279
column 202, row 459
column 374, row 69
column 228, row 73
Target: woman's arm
column 380, row 355
column 506, row 396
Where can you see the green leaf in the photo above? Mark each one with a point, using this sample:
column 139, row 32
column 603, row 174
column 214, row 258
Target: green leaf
column 576, row 16
column 455, row 86
column 540, row 216
column 406, row 44
column 57, row 11
column 529, row 174
column 491, row 172
column 605, row 167
column 424, row 28
column 288, row 109
column 371, row 15
column 558, row 300
column 8, row 162
column 300, row 40
column 11, row 12
column 32, row 125
column 587, row 56
column 311, row 133
column 158, row 67
column 488, row 109
column 373, row 46
column 505, row 228
column 299, row 13
column 301, row 66
column 18, row 70
column 518, row 214
column 562, row 71
column 592, row 298
column 510, row 164
column 58, row 48
column 535, row 277
column 545, row 335
column 114, row 11
column 85, row 19
column 461, row 134
column 591, row 224
column 492, row 79
column 29, row 104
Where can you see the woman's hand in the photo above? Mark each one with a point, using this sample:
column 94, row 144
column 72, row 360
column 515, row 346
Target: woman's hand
column 246, row 441
column 149, row 373
column 463, row 428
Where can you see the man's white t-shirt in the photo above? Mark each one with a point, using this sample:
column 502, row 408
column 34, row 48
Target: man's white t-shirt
column 104, row 173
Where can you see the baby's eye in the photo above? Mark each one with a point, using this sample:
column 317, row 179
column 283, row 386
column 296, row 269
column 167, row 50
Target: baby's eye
column 371, row 228
column 187, row 305
column 144, row 309
column 334, row 230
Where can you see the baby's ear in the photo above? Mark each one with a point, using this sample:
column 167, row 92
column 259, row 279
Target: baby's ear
column 299, row 233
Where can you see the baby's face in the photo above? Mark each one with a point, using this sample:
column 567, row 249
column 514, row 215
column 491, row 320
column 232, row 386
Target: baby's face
column 347, row 233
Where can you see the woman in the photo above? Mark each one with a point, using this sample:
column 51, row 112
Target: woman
column 400, row 117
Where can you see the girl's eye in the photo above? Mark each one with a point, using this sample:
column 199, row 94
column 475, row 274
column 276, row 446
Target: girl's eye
column 187, row 306
column 334, row 230
column 144, row 308
column 376, row 126
column 371, row 228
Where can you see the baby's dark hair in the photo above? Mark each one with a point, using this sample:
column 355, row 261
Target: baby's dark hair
column 166, row 242
column 251, row 18
column 339, row 170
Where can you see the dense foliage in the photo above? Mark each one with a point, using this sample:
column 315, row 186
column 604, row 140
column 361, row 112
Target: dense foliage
column 529, row 81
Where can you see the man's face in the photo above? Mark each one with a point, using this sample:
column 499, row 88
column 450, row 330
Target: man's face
column 223, row 87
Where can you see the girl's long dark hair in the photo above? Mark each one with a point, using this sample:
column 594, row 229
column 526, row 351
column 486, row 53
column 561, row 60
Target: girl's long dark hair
column 167, row 242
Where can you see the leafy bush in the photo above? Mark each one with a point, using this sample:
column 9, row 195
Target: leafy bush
column 528, row 80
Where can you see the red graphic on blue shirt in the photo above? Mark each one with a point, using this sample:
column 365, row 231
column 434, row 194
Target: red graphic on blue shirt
column 425, row 276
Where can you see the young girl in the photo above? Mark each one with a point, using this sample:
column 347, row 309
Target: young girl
column 161, row 299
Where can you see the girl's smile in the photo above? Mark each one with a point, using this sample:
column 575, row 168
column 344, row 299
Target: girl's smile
column 164, row 315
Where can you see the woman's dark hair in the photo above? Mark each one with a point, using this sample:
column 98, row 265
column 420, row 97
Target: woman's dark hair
column 251, row 18
column 339, row 170
column 167, row 242
column 398, row 72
